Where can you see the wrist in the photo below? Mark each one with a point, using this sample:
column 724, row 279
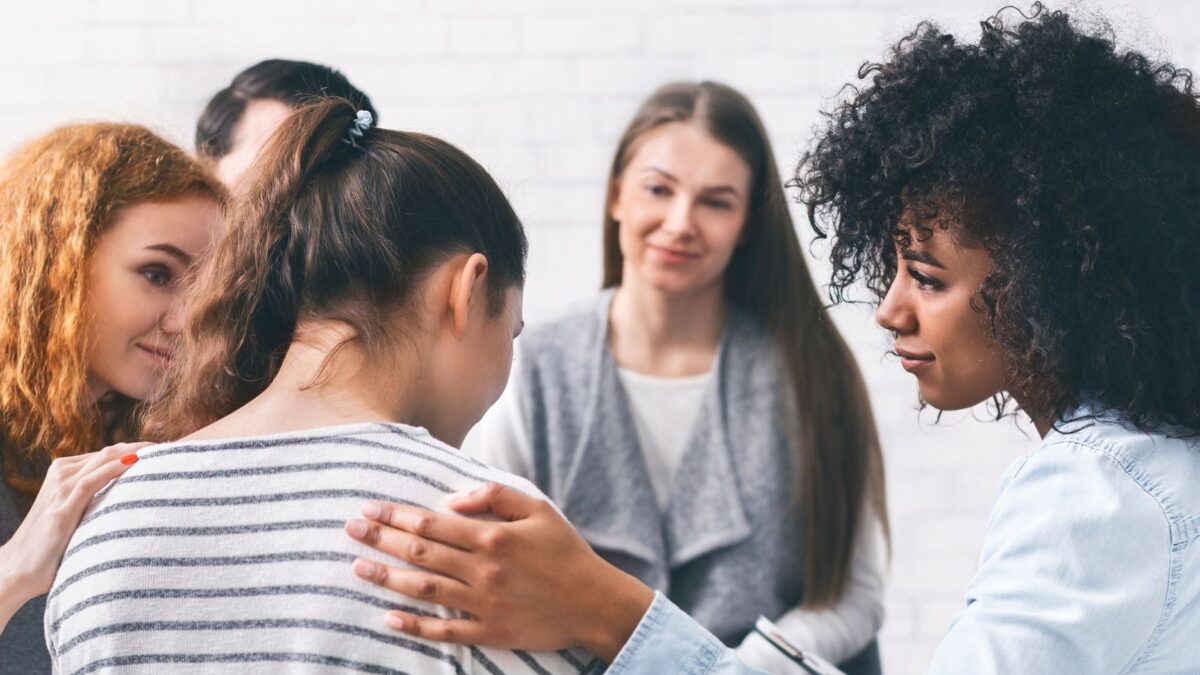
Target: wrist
column 14, row 583
column 618, row 603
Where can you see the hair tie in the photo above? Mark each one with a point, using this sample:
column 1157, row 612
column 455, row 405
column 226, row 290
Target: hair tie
column 358, row 127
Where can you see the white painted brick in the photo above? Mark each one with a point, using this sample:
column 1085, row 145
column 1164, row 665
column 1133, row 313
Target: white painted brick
column 601, row 76
column 117, row 44
column 816, row 29
column 488, row 37
column 579, row 35
column 26, row 44
column 317, row 13
column 561, row 119
column 708, row 32
column 398, row 39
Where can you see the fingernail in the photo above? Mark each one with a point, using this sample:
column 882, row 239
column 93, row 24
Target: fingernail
column 363, row 568
column 457, row 496
column 370, row 510
column 394, row 620
column 356, row 528
column 129, row 459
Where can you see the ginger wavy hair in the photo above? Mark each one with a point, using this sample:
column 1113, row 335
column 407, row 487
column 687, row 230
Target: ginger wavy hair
column 58, row 193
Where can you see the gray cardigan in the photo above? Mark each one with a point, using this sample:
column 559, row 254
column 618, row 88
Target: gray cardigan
column 727, row 549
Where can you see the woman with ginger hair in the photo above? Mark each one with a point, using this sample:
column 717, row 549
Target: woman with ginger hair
column 98, row 225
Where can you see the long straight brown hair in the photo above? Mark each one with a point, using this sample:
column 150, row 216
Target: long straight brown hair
column 840, row 468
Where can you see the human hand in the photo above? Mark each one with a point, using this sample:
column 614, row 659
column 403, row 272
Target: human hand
column 30, row 559
column 527, row 582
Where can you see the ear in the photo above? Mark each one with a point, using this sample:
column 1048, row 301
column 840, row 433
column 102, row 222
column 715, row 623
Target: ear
column 469, row 286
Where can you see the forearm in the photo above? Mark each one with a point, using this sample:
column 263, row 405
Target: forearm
column 611, row 612
column 14, row 592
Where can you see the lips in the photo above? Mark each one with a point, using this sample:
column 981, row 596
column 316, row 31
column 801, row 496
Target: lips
column 914, row 361
column 161, row 355
column 673, row 255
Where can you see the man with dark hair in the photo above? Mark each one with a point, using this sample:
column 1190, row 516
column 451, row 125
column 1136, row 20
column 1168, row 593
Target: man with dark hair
column 239, row 119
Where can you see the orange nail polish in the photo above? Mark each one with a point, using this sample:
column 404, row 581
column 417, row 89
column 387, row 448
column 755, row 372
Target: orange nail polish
column 129, row 459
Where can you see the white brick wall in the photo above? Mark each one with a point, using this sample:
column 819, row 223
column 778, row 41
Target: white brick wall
column 538, row 91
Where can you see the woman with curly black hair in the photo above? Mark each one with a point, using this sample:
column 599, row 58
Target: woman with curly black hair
column 1024, row 211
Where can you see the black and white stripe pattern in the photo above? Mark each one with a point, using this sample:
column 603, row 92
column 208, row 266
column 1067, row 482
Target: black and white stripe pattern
column 223, row 556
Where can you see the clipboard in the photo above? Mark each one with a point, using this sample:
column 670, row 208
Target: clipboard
column 809, row 663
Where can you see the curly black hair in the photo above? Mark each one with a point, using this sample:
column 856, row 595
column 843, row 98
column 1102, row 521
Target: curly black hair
column 1075, row 164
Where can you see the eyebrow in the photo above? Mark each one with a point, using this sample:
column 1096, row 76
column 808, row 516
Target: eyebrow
column 710, row 190
column 921, row 257
column 172, row 251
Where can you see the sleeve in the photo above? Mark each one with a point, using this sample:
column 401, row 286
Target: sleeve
column 1074, row 573
column 841, row 631
column 669, row 642
column 501, row 439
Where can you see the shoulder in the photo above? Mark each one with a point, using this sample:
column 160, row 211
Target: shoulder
column 1152, row 475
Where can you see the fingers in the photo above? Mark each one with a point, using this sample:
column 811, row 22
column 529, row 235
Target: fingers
column 105, row 456
column 420, row 585
column 91, row 483
column 501, row 500
column 425, row 553
column 450, row 530
column 457, row 631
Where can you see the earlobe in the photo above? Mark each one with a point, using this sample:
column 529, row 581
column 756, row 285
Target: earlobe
column 468, row 288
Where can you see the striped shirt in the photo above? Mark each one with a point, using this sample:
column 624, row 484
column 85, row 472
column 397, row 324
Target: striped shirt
column 230, row 556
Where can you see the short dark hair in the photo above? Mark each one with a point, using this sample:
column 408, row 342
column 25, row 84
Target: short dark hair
column 291, row 82
column 1074, row 164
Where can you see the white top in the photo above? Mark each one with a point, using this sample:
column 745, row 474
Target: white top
column 665, row 411
column 231, row 556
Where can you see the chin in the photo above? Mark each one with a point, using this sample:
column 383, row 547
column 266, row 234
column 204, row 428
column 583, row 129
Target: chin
column 666, row 282
column 950, row 401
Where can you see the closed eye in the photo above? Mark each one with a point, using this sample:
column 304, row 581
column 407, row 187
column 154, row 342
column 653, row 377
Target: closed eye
column 925, row 282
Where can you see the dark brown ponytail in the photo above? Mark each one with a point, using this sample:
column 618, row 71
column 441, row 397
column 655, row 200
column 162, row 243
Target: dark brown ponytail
column 334, row 230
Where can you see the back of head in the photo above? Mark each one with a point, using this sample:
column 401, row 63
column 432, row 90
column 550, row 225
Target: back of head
column 332, row 226
column 58, row 193
column 291, row 82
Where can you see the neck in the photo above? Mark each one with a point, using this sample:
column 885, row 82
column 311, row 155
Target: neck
column 322, row 384
column 666, row 334
column 1042, row 423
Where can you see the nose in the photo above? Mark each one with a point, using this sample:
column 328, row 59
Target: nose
column 171, row 321
column 679, row 220
column 895, row 311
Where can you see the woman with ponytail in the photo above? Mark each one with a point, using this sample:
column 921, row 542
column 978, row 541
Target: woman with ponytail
column 356, row 320
column 98, row 226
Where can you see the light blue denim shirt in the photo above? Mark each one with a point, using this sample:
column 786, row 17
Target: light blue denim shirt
column 1091, row 565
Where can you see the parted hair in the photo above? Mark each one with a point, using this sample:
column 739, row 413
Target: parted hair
column 291, row 82
column 840, row 466
column 58, row 193
column 329, row 229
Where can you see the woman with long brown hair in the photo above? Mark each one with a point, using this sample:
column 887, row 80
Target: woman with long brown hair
column 702, row 423
column 98, row 225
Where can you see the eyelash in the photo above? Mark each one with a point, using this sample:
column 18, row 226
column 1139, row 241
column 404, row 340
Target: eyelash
column 664, row 191
column 151, row 271
column 924, row 282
